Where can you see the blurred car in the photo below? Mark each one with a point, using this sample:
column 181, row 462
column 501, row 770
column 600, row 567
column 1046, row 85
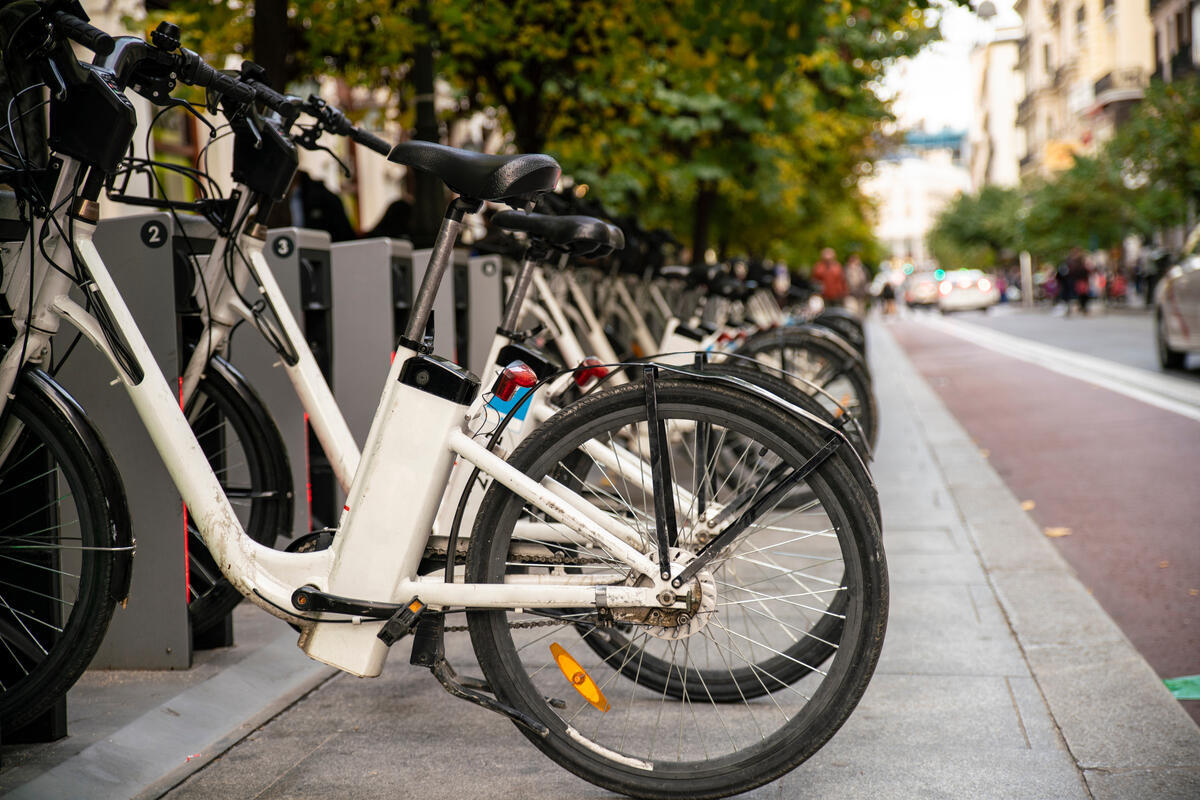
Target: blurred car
column 921, row 289
column 967, row 290
column 1177, row 313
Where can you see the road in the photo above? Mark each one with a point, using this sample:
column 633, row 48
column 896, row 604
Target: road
column 1123, row 336
column 1106, row 458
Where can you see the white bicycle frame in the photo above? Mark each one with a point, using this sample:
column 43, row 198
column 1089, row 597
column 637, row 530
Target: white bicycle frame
column 394, row 495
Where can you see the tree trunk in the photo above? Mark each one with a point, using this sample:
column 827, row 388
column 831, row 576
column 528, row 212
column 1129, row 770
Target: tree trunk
column 706, row 199
column 269, row 42
column 428, row 193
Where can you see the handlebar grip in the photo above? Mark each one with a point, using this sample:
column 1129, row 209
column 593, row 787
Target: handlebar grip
column 370, row 141
column 80, row 31
column 272, row 99
column 195, row 71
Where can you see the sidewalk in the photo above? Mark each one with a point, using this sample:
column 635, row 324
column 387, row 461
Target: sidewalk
column 1001, row 677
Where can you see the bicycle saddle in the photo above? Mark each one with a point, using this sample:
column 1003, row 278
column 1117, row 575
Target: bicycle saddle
column 479, row 176
column 575, row 234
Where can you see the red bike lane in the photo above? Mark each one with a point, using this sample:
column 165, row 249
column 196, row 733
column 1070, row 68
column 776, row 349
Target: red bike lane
column 1121, row 476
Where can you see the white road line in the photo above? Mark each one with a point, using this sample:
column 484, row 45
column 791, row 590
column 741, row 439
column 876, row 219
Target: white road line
column 1162, row 391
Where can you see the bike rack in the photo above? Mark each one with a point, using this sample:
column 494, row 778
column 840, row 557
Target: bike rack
column 152, row 631
column 300, row 261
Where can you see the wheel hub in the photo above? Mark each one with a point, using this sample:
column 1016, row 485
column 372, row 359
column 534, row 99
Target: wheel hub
column 672, row 622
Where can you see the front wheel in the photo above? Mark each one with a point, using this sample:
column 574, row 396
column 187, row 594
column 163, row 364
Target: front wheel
column 64, row 548
column 752, row 682
column 247, row 454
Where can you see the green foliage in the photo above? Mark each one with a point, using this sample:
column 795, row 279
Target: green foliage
column 978, row 231
column 742, row 124
column 1141, row 181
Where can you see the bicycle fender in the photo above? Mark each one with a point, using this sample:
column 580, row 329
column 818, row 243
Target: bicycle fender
column 120, row 537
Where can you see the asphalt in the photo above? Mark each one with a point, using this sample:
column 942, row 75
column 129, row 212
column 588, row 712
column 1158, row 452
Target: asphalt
column 1001, row 677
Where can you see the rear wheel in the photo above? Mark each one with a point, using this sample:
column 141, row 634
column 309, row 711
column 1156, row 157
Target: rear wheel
column 785, row 627
column 59, row 544
column 824, row 361
column 246, row 451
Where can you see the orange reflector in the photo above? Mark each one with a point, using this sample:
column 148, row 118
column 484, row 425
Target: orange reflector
column 845, row 401
column 578, row 677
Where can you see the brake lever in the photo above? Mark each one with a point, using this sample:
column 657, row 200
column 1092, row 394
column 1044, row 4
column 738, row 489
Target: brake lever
column 191, row 109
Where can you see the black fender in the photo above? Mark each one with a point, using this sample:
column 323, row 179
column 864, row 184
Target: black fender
column 830, row 431
column 811, row 331
column 220, row 369
column 838, row 319
column 113, row 489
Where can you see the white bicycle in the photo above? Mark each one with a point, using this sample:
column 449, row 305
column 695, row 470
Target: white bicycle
column 719, row 598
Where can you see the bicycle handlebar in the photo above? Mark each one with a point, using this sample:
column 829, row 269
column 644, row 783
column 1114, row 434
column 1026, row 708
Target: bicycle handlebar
column 78, row 30
column 334, row 121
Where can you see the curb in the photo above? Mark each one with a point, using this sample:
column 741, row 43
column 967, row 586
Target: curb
column 162, row 747
column 1126, row 732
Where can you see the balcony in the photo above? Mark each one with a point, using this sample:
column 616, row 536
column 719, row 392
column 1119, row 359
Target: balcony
column 1182, row 64
column 1025, row 109
column 1120, row 84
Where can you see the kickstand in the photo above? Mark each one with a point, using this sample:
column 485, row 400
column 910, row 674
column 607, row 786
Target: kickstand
column 429, row 650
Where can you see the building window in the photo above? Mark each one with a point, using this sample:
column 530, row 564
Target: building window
column 1080, row 24
column 1110, row 11
column 1049, row 61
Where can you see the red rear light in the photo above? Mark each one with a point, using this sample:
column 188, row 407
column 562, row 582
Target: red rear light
column 945, row 287
column 516, row 374
column 590, row 367
column 984, row 284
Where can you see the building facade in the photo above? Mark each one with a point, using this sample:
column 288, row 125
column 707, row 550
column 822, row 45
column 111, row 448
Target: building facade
column 1084, row 63
column 912, row 186
column 1176, row 38
column 993, row 139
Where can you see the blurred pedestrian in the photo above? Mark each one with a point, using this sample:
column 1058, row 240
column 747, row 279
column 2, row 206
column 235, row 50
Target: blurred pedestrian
column 856, row 281
column 311, row 204
column 1079, row 279
column 828, row 274
column 887, row 294
column 1062, row 284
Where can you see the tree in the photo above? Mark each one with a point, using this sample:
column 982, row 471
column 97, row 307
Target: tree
column 742, row 124
column 1158, row 151
column 978, row 230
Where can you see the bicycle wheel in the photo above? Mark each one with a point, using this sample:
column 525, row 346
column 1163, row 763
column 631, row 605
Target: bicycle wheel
column 64, row 543
column 821, row 358
column 701, row 733
column 845, row 324
column 246, row 451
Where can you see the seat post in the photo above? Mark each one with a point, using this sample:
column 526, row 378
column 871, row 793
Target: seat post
column 439, row 260
column 512, row 309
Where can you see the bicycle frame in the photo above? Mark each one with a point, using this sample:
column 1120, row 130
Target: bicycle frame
column 383, row 532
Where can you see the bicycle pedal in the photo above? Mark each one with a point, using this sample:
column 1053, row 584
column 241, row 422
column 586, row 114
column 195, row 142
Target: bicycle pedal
column 401, row 623
column 428, row 647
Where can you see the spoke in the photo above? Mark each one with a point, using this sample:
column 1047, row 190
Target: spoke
column 39, row 566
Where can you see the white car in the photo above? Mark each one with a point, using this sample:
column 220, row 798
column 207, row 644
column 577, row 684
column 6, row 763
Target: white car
column 1177, row 313
column 966, row 290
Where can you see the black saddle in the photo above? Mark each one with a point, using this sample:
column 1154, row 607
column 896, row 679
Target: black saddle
column 582, row 236
column 479, row 176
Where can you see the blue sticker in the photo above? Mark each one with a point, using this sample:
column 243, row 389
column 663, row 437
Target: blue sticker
column 504, row 406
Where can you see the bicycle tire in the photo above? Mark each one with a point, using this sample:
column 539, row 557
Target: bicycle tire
column 247, row 453
column 57, row 597
column 525, row 678
column 810, row 649
column 825, row 359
